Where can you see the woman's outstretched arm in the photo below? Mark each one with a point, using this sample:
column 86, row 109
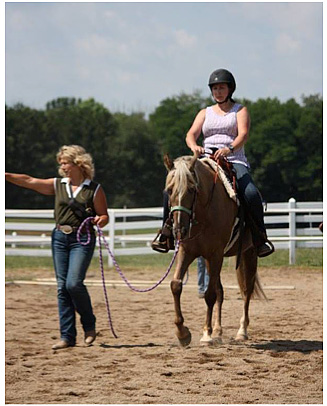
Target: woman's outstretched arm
column 43, row 186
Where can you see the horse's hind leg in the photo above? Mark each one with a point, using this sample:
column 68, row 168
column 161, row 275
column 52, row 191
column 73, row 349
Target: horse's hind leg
column 218, row 330
column 246, row 276
column 214, row 288
column 183, row 333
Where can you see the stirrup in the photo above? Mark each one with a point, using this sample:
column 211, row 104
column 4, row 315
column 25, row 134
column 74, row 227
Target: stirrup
column 160, row 246
column 267, row 248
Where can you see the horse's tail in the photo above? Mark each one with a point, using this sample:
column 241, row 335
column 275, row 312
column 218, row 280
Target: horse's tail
column 258, row 291
column 247, row 276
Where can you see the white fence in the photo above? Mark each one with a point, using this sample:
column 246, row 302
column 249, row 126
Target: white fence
column 290, row 225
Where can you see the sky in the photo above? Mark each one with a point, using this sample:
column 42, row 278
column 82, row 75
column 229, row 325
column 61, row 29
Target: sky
column 130, row 56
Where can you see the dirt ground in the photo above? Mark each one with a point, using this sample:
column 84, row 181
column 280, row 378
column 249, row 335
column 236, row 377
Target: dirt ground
column 281, row 363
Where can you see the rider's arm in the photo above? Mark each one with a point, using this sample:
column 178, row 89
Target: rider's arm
column 243, row 127
column 43, row 186
column 195, row 131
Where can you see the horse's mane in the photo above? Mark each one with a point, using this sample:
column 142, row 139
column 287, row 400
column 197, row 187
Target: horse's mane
column 180, row 178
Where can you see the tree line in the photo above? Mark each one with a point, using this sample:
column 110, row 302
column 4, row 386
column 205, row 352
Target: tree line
column 284, row 146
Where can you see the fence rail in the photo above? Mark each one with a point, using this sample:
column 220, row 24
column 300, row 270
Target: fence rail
column 290, row 225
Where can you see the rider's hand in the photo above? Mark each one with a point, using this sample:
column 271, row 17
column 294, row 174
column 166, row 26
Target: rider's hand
column 220, row 153
column 197, row 149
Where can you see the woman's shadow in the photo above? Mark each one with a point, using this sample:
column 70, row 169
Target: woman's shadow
column 303, row 346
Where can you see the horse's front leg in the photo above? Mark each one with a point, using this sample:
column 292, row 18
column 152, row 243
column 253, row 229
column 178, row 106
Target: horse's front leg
column 214, row 287
column 183, row 261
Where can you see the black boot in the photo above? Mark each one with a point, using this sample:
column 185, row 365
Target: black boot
column 164, row 240
column 265, row 249
column 263, row 246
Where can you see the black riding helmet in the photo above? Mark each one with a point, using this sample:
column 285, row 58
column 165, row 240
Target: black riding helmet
column 223, row 76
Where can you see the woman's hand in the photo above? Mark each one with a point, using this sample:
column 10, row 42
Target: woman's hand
column 221, row 153
column 197, row 149
column 100, row 221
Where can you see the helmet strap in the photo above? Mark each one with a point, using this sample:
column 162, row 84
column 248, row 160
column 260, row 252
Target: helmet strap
column 224, row 101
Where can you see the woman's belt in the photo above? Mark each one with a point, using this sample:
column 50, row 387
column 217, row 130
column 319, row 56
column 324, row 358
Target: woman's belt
column 67, row 229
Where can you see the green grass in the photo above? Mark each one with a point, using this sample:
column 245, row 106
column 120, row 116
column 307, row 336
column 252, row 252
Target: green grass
column 305, row 258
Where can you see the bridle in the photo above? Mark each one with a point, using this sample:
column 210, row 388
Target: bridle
column 190, row 212
column 182, row 208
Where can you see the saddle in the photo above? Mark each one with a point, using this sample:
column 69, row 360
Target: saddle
column 224, row 171
column 229, row 171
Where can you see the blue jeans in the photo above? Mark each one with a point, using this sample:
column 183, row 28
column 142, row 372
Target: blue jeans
column 203, row 277
column 249, row 193
column 71, row 260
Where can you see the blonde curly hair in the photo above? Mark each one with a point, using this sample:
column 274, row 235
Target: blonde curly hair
column 78, row 156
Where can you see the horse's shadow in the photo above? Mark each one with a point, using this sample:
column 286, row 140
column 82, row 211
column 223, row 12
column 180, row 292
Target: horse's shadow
column 303, row 346
column 130, row 345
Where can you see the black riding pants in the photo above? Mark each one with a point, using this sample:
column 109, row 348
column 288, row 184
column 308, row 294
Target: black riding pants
column 249, row 194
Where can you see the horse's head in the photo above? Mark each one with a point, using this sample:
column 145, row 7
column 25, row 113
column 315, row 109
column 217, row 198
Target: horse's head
column 181, row 185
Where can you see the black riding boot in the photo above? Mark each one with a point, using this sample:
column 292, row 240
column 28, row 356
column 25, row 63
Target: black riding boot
column 263, row 246
column 164, row 240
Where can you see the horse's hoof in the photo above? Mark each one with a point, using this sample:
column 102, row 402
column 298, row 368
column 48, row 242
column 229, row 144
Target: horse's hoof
column 241, row 337
column 206, row 342
column 217, row 340
column 206, row 339
column 186, row 339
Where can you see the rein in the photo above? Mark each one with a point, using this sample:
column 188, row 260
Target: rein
column 118, row 269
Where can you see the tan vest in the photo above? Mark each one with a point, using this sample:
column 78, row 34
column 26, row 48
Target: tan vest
column 64, row 214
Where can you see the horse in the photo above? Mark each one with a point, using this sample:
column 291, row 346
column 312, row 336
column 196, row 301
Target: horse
column 203, row 216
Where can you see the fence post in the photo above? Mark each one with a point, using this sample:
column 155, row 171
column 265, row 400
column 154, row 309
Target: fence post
column 292, row 231
column 111, row 236
column 14, row 234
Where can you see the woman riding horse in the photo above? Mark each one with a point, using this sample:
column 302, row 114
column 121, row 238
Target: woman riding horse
column 225, row 127
column 204, row 213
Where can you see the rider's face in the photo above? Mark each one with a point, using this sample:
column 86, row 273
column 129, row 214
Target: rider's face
column 220, row 91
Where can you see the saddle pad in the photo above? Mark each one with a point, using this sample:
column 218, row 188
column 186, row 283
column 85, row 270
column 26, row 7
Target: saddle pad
column 226, row 182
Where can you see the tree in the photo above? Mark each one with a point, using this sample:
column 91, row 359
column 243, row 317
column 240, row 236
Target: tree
column 26, row 149
column 309, row 136
column 284, row 146
column 140, row 171
column 171, row 121
column 271, row 149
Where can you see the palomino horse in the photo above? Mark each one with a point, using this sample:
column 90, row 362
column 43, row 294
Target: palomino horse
column 203, row 217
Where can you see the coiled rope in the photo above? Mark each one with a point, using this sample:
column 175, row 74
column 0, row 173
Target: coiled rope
column 118, row 269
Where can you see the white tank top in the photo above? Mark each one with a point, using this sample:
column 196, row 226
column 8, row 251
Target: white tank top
column 219, row 131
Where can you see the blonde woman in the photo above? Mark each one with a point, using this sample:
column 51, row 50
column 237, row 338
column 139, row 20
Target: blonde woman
column 77, row 197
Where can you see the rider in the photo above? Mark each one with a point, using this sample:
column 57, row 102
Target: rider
column 225, row 127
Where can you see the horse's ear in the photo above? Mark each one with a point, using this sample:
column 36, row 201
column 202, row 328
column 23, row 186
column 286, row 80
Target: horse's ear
column 194, row 159
column 168, row 162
